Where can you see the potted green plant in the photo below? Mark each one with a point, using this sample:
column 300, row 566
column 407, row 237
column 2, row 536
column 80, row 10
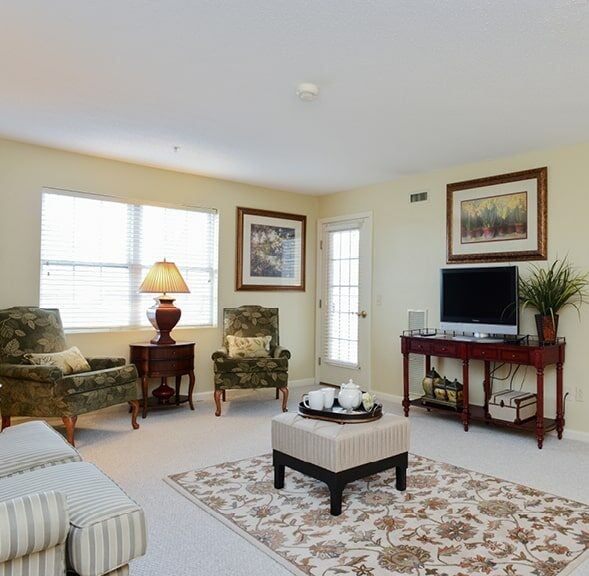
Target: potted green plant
column 550, row 289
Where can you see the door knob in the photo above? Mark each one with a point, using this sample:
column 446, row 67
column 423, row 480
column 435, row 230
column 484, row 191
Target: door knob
column 362, row 314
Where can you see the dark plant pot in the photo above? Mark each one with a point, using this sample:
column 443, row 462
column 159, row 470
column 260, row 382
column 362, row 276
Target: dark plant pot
column 546, row 328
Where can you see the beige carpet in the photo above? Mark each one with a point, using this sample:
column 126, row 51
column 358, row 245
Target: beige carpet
column 450, row 521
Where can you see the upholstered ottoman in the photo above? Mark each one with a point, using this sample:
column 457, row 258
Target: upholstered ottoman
column 339, row 453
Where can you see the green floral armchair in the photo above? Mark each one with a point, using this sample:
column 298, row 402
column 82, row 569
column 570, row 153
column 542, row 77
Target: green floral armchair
column 44, row 390
column 270, row 371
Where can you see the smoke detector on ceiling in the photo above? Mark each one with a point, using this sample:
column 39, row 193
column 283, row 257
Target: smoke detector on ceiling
column 307, row 91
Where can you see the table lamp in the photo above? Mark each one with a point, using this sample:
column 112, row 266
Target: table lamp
column 163, row 277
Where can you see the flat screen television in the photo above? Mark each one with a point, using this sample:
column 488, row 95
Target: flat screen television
column 481, row 300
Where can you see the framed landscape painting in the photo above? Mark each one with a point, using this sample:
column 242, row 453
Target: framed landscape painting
column 270, row 250
column 498, row 218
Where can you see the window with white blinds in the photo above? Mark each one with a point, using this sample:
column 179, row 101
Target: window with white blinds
column 341, row 294
column 95, row 252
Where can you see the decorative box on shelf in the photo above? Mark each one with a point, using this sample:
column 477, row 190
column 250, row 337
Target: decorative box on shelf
column 513, row 406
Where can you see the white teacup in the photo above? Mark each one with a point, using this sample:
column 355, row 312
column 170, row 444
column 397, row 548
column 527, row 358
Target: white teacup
column 328, row 397
column 315, row 399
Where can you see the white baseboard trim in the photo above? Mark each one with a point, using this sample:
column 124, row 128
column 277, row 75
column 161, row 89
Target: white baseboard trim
column 567, row 434
column 303, row 382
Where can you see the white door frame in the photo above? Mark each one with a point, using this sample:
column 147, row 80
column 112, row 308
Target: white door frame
column 368, row 288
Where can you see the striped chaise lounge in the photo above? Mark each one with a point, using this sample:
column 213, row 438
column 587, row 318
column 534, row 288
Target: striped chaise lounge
column 60, row 515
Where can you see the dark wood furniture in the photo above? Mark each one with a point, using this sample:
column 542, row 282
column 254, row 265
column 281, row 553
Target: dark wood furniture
column 529, row 353
column 336, row 481
column 161, row 361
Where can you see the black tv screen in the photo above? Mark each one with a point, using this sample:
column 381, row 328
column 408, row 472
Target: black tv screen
column 481, row 299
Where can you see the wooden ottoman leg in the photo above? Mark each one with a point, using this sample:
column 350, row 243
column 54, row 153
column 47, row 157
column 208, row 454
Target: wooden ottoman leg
column 278, row 476
column 278, row 470
column 336, row 490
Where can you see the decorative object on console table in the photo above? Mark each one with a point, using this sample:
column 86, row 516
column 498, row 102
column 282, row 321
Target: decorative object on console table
column 513, row 406
column 161, row 361
column 165, row 278
column 550, row 289
column 430, row 381
column 270, row 250
column 498, row 218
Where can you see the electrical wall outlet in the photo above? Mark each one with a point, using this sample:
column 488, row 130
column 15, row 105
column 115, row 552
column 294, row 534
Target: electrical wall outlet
column 579, row 394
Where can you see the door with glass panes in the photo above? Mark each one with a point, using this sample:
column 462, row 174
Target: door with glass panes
column 343, row 326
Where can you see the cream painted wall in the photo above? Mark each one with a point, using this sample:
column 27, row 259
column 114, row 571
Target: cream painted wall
column 409, row 243
column 25, row 169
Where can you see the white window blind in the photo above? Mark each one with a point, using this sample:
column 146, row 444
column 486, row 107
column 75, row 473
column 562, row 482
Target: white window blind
column 341, row 294
column 95, row 252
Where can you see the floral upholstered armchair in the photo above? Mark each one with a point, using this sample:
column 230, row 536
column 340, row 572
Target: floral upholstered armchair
column 251, row 356
column 39, row 377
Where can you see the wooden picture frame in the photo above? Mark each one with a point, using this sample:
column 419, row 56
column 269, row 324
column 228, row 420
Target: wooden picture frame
column 498, row 218
column 270, row 250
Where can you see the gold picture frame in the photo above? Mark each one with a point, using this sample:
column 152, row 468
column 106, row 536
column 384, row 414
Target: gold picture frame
column 498, row 218
column 270, row 250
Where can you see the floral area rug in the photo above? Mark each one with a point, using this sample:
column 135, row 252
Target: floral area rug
column 449, row 522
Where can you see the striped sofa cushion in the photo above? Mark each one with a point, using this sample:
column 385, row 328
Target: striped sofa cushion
column 33, row 445
column 33, row 529
column 107, row 528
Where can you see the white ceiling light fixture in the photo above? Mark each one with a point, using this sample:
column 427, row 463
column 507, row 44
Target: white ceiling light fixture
column 307, row 91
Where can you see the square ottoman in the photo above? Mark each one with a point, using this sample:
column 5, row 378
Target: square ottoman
column 339, row 453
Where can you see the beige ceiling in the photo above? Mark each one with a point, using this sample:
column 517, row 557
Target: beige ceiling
column 407, row 86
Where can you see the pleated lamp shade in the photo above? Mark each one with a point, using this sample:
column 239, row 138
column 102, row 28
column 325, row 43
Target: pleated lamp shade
column 164, row 278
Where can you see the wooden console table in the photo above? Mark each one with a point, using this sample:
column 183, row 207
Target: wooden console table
column 161, row 361
column 527, row 354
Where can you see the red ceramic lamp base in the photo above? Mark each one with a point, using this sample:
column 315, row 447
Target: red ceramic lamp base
column 163, row 317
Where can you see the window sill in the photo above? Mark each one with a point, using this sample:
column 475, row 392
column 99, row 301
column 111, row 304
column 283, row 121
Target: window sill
column 132, row 329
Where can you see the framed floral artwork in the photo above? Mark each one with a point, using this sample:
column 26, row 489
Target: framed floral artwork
column 270, row 250
column 498, row 218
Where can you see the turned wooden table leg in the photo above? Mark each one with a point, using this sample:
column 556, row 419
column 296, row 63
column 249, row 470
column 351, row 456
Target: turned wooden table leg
column 406, row 384
column 540, row 406
column 5, row 422
column 559, row 401
column 465, row 414
column 144, row 395
column 191, row 382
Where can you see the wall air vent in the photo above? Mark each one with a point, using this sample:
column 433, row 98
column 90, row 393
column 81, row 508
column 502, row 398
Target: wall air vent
column 416, row 320
column 418, row 197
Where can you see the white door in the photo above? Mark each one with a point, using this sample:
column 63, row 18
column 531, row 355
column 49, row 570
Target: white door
column 343, row 313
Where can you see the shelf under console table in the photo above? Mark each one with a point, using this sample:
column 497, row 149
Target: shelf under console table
column 526, row 353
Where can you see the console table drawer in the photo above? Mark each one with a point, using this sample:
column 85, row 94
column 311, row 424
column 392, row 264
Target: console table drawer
column 445, row 348
column 517, row 356
column 420, row 347
column 170, row 367
column 483, row 352
column 177, row 351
